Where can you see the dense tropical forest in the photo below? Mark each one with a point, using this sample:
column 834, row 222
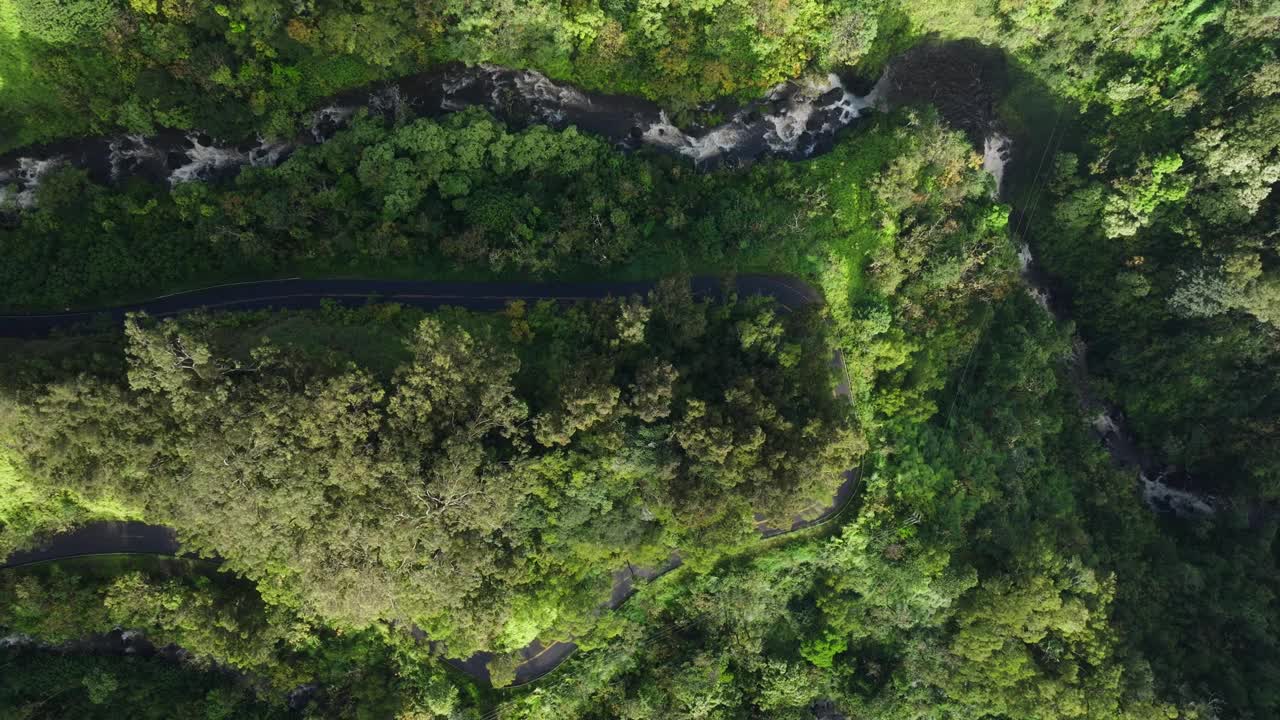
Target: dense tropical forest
column 979, row 418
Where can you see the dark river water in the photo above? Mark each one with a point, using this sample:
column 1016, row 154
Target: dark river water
column 793, row 121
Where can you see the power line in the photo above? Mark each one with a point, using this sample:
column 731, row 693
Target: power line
column 1037, row 189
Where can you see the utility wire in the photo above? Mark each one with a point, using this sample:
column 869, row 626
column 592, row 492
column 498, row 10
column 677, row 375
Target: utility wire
column 1037, row 188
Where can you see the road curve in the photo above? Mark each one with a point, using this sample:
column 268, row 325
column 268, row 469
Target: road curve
column 100, row 538
column 137, row 538
column 111, row 538
column 299, row 293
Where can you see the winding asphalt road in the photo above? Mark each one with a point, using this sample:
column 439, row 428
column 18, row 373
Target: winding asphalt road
column 100, row 538
column 298, row 293
column 112, row 538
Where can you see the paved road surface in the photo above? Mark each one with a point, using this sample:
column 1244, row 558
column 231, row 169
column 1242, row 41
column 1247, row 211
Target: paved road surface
column 296, row 293
column 116, row 538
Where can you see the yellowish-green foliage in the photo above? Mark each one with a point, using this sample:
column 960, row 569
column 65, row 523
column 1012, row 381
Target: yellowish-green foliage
column 8, row 32
column 26, row 510
column 490, row 514
column 9, row 23
column 15, row 494
column 991, row 566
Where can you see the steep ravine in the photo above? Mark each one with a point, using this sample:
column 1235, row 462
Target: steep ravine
column 1108, row 421
column 794, row 121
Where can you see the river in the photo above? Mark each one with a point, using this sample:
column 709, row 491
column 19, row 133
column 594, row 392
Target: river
column 795, row 120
